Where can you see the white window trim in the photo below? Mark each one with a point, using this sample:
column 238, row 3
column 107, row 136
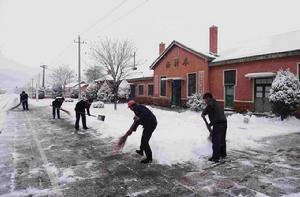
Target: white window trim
column 138, row 87
column 236, row 81
column 148, row 89
column 201, row 71
column 160, row 86
column 187, row 83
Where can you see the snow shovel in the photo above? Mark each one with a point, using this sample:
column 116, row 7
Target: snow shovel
column 208, row 128
column 99, row 117
column 66, row 111
column 15, row 106
column 122, row 139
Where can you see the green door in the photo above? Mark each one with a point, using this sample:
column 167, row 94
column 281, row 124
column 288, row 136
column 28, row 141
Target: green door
column 176, row 93
column 229, row 96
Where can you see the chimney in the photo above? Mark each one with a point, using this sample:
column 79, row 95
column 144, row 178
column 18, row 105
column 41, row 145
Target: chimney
column 161, row 47
column 213, row 40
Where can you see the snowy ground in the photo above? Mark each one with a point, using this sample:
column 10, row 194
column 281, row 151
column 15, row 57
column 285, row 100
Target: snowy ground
column 179, row 137
column 40, row 156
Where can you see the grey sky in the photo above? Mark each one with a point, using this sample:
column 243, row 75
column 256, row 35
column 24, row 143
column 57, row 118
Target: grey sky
column 35, row 32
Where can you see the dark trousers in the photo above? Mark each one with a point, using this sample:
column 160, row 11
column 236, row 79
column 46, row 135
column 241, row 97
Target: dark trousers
column 25, row 105
column 83, row 119
column 55, row 110
column 147, row 133
column 219, row 141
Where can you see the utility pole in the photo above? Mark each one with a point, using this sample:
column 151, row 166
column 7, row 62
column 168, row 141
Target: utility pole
column 32, row 92
column 79, row 77
column 43, row 82
column 37, row 87
column 134, row 68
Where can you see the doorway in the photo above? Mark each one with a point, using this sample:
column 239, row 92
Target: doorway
column 262, row 88
column 176, row 93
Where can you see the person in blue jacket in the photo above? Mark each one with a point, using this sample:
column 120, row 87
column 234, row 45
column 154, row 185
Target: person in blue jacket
column 143, row 116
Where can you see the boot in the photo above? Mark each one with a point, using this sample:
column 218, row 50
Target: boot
column 146, row 160
column 140, row 152
column 213, row 160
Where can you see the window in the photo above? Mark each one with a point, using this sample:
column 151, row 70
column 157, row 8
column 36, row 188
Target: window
column 150, row 90
column 163, row 86
column 229, row 77
column 141, row 89
column 176, row 62
column 191, row 84
column 168, row 64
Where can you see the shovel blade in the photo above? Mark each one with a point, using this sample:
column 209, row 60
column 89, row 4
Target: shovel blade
column 101, row 117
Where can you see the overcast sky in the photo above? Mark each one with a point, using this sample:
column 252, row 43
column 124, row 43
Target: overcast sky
column 36, row 32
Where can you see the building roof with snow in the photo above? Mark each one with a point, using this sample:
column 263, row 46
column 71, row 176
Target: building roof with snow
column 141, row 74
column 280, row 45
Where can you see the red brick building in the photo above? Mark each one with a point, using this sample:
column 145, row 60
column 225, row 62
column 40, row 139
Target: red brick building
column 239, row 79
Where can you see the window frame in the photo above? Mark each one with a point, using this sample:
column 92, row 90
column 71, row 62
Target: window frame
column 188, row 83
column 141, row 85
column 148, row 89
column 160, row 86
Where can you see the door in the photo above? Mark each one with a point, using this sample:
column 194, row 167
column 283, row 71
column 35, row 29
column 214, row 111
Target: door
column 132, row 92
column 176, row 93
column 261, row 98
column 229, row 96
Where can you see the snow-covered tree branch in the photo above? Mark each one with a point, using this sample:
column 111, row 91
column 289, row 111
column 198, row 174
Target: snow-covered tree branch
column 115, row 57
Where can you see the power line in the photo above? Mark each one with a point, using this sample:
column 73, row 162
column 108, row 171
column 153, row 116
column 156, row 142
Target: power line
column 99, row 20
column 113, row 22
column 126, row 14
column 105, row 16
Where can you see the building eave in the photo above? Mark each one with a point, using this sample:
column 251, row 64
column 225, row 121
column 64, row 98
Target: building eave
column 139, row 79
column 256, row 58
column 208, row 58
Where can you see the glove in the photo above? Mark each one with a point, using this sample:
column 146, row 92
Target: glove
column 135, row 118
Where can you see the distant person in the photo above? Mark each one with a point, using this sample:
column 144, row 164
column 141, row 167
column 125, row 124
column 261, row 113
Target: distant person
column 219, row 123
column 24, row 100
column 56, row 104
column 146, row 118
column 80, row 108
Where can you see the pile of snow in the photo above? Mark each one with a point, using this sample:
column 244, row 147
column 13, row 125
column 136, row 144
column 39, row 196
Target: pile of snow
column 180, row 137
column 98, row 104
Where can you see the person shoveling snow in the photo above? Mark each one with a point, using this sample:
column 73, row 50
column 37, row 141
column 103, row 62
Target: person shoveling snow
column 146, row 118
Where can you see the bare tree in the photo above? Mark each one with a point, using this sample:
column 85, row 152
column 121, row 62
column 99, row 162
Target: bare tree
column 93, row 73
column 115, row 57
column 62, row 75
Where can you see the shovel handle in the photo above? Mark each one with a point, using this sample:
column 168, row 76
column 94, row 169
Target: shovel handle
column 207, row 125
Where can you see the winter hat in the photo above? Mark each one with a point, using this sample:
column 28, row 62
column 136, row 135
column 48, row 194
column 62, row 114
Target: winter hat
column 131, row 103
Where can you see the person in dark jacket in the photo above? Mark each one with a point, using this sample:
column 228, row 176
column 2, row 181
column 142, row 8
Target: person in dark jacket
column 56, row 104
column 219, row 123
column 80, row 108
column 24, row 100
column 146, row 118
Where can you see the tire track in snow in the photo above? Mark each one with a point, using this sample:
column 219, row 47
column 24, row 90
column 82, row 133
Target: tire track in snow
column 51, row 175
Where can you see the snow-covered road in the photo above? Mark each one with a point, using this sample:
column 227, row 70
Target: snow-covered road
column 40, row 156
